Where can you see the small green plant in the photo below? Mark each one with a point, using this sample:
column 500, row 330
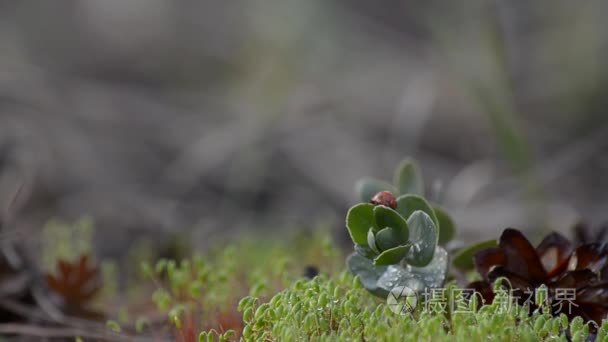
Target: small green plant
column 66, row 241
column 407, row 180
column 397, row 239
column 201, row 293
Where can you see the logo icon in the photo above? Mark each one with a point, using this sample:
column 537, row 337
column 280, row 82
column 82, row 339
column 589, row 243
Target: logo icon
column 402, row 300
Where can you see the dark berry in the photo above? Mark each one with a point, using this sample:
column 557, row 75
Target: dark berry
column 311, row 271
column 385, row 198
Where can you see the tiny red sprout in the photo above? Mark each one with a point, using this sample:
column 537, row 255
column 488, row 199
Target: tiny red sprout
column 385, row 198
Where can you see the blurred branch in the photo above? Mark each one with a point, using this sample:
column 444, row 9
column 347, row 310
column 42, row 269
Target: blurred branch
column 48, row 332
column 73, row 327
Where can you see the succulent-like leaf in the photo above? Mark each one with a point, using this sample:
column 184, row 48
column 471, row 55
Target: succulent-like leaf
column 359, row 219
column 368, row 187
column 392, row 256
column 408, row 204
column 371, row 241
column 446, row 225
column 417, row 278
column 387, row 217
column 368, row 272
column 396, row 276
column 433, row 275
column 408, row 178
column 423, row 238
column 365, row 251
column 388, row 238
column 463, row 259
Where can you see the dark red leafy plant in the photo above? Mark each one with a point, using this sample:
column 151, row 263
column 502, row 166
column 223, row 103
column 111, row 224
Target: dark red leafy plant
column 556, row 263
column 76, row 285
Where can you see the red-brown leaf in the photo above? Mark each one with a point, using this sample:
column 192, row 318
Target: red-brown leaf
column 486, row 259
column 576, row 279
column 484, row 289
column 601, row 233
column 553, row 251
column 593, row 256
column 515, row 281
column 582, row 233
column 521, row 257
column 597, row 293
column 76, row 283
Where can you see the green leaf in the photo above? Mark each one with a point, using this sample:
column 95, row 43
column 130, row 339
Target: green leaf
column 463, row 259
column 408, row 178
column 368, row 187
column 387, row 217
column 368, row 273
column 391, row 256
column 408, row 204
column 359, row 219
column 371, row 241
column 446, row 225
column 423, row 237
column 388, row 238
column 365, row 251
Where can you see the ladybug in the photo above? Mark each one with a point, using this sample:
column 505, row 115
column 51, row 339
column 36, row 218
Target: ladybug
column 385, row 198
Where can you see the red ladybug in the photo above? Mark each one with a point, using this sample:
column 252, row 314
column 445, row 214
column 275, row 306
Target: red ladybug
column 385, row 198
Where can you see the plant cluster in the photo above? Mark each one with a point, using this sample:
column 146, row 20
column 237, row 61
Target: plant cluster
column 398, row 234
column 259, row 289
column 398, row 245
column 555, row 266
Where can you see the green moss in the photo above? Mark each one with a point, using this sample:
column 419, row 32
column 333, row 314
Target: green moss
column 338, row 308
column 202, row 292
column 259, row 283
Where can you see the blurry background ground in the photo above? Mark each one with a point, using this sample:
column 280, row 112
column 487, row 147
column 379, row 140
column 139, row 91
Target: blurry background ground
column 158, row 116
